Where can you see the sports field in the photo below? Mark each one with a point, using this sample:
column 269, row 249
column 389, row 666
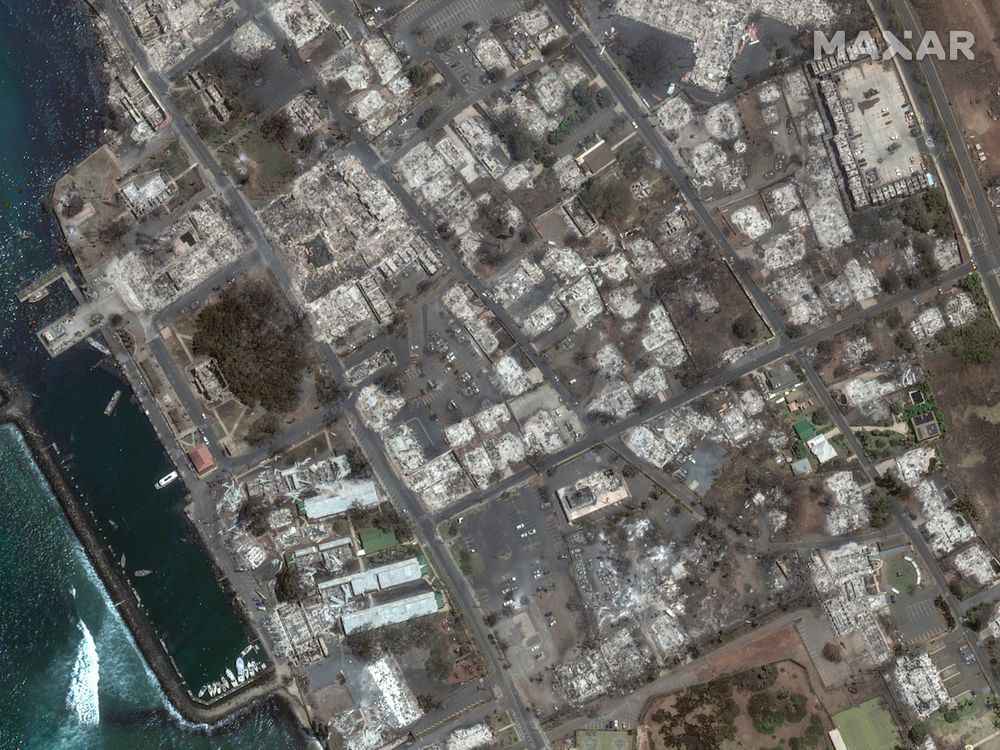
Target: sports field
column 867, row 727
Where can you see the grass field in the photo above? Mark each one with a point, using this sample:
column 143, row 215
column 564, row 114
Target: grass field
column 899, row 573
column 867, row 727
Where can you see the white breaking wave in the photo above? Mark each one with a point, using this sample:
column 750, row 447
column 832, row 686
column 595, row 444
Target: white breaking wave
column 82, row 698
column 124, row 632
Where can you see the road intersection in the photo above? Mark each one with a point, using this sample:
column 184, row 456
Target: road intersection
column 976, row 218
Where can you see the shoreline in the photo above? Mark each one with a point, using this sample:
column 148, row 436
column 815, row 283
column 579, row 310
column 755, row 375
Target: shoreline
column 15, row 410
column 270, row 690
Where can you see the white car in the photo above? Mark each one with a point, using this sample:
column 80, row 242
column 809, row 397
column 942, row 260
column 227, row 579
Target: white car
column 519, row 526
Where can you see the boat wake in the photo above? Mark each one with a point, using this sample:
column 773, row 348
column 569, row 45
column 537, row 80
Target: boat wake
column 82, row 698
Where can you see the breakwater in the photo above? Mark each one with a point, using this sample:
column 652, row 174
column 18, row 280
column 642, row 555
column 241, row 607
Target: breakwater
column 15, row 409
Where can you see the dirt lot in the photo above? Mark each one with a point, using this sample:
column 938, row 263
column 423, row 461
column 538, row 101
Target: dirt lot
column 709, row 333
column 969, row 395
column 973, row 84
column 793, row 671
column 728, row 712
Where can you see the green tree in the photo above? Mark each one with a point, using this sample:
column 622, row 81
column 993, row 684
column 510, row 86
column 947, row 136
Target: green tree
column 259, row 343
column 428, row 117
column 419, row 75
column 745, row 328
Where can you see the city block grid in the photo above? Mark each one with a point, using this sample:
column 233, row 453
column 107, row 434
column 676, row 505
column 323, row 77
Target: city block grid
column 568, row 374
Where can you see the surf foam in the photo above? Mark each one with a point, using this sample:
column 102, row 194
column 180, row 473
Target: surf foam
column 82, row 698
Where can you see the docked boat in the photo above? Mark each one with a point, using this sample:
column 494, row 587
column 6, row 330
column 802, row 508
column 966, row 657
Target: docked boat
column 142, row 573
column 240, row 669
column 39, row 295
column 164, row 481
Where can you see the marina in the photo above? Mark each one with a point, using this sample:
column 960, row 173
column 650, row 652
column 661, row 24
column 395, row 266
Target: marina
column 246, row 670
column 69, row 602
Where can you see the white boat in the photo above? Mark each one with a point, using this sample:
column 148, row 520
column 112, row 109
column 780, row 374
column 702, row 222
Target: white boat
column 142, row 573
column 231, row 676
column 112, row 403
column 164, row 481
column 99, row 346
column 240, row 669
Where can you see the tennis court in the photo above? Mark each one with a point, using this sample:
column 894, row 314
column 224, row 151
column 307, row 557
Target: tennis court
column 867, row 727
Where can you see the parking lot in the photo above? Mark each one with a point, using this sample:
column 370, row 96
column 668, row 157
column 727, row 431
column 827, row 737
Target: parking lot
column 912, row 606
column 453, row 376
column 524, row 579
column 957, row 666
column 881, row 116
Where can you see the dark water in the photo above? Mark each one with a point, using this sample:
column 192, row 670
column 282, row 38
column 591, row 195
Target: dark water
column 70, row 675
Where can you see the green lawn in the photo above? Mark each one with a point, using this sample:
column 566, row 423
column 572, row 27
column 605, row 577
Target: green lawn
column 899, row 573
column 867, row 727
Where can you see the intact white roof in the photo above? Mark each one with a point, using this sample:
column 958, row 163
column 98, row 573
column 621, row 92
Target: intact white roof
column 390, row 613
column 821, row 448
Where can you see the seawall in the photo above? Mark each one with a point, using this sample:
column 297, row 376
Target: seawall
column 15, row 410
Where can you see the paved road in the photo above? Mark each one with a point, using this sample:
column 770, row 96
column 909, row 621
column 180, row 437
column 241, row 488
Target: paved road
column 984, row 258
column 761, row 358
column 781, row 347
column 978, row 218
column 628, row 707
column 984, row 242
column 449, row 573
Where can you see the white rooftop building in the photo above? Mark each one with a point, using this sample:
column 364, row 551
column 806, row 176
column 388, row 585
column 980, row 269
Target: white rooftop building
column 390, row 613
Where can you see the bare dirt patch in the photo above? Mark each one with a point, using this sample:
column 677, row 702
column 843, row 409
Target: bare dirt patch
column 973, row 85
column 969, row 396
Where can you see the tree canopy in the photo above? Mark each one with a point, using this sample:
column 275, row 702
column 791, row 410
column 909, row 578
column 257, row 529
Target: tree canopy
column 259, row 344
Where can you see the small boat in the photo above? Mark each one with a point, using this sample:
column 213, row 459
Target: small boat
column 142, row 573
column 39, row 295
column 246, row 651
column 231, row 676
column 122, row 561
column 240, row 669
column 112, row 403
column 164, row 481
column 99, row 346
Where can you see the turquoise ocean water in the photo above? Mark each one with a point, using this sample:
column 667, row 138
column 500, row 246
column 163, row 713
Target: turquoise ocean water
column 70, row 675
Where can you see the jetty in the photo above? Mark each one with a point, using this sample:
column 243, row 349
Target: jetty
column 265, row 686
column 38, row 289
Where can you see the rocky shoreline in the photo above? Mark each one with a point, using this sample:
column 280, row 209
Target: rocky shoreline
column 15, row 410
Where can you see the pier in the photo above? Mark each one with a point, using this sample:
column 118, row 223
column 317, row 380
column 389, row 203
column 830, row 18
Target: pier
column 35, row 288
column 75, row 326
